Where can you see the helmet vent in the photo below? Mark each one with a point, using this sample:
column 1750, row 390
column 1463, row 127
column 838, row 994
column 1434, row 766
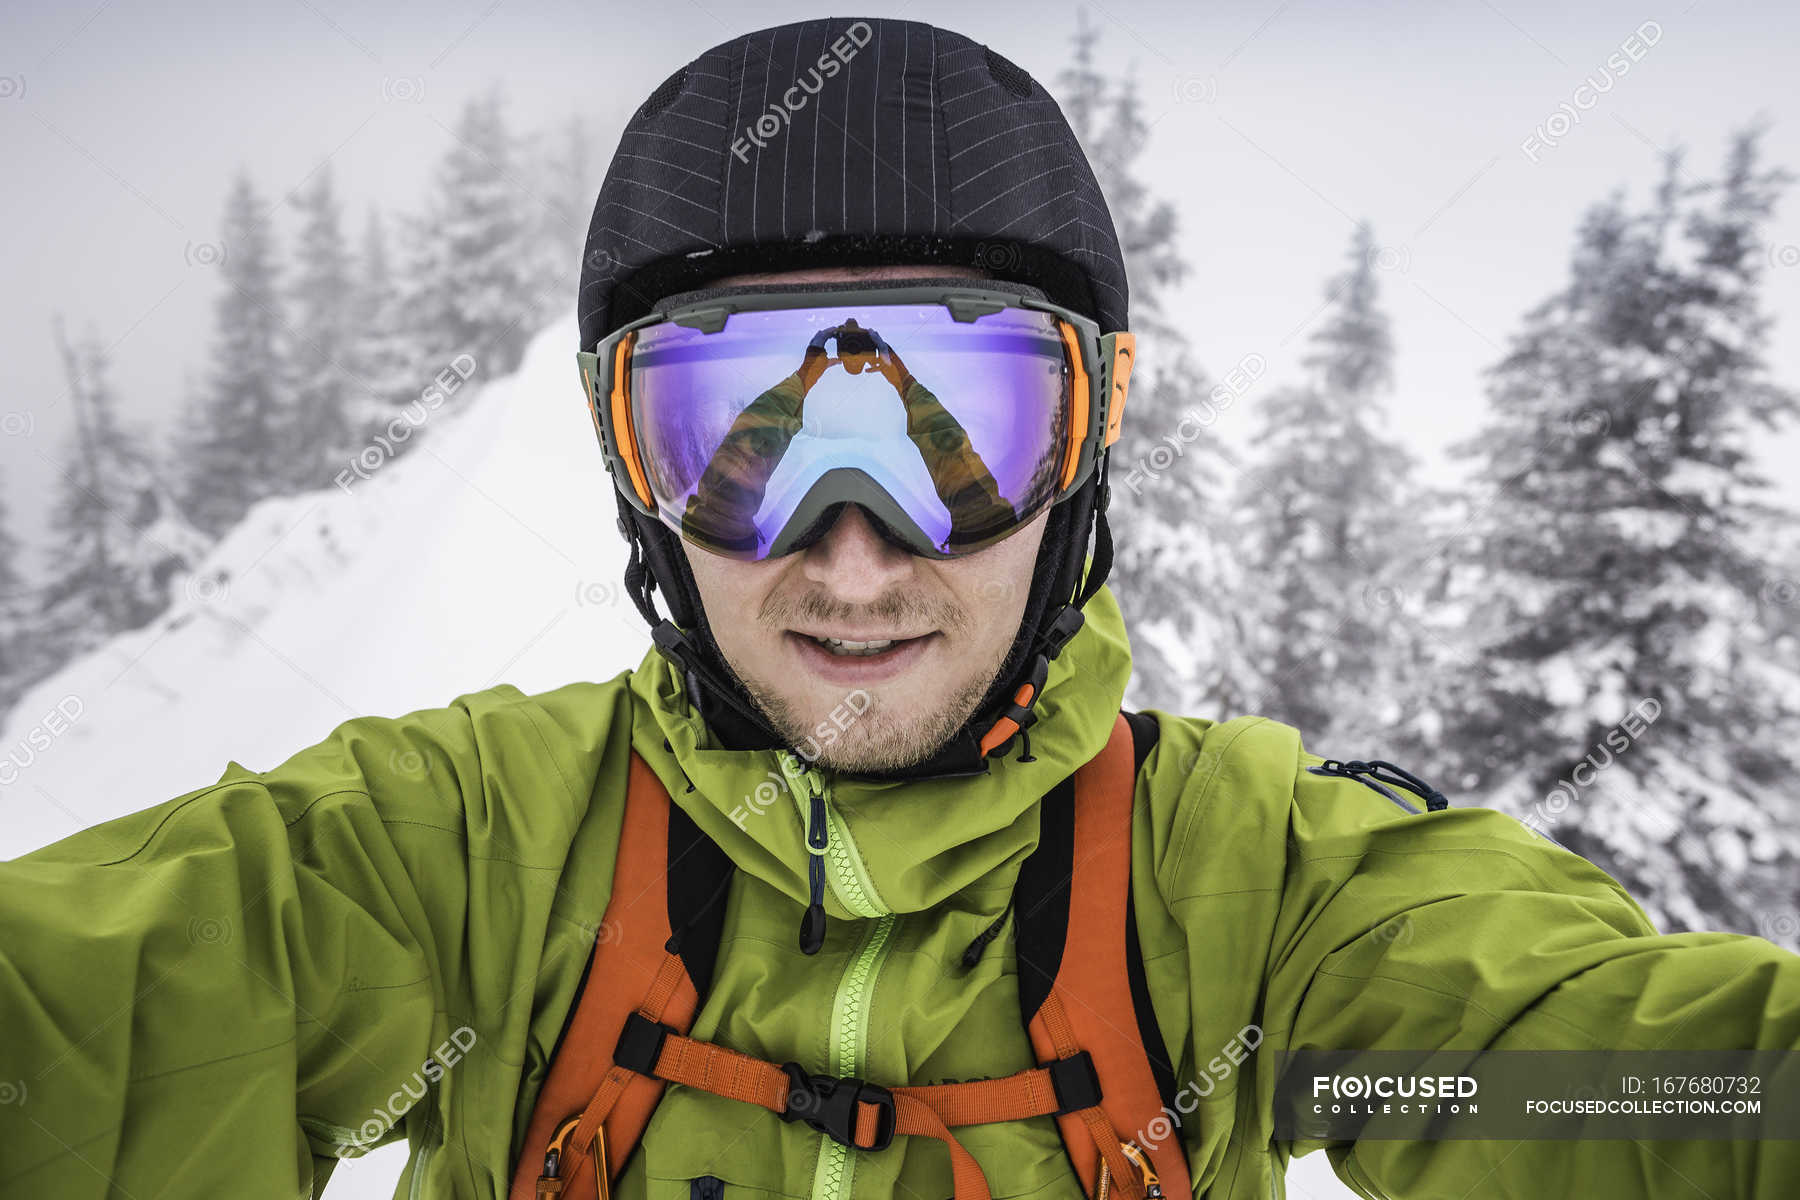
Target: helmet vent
column 1008, row 74
column 664, row 95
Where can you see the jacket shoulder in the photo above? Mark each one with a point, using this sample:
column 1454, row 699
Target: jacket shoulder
column 1217, row 790
column 1222, row 789
column 512, row 774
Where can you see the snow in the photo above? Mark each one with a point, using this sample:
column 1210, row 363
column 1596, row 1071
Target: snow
column 487, row 554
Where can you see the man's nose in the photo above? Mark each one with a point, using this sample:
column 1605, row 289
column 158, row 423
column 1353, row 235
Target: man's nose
column 853, row 561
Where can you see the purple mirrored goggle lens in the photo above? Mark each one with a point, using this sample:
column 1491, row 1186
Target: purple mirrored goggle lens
column 952, row 433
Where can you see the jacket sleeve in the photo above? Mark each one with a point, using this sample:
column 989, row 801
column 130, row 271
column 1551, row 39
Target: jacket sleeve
column 225, row 993
column 1462, row 929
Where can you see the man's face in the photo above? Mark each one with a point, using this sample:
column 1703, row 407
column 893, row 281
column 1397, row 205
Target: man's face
column 951, row 621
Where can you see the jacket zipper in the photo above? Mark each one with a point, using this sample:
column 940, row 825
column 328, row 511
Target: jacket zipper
column 418, row 1178
column 833, row 858
column 847, row 1050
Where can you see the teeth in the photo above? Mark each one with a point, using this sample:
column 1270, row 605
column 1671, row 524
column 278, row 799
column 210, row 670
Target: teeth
column 841, row 646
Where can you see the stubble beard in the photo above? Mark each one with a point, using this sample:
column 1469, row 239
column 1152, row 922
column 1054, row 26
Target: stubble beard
column 879, row 738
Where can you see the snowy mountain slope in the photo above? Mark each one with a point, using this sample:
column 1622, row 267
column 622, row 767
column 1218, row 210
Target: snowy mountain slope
column 486, row 554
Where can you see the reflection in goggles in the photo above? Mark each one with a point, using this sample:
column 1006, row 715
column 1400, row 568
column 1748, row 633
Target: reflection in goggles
column 722, row 508
column 737, row 474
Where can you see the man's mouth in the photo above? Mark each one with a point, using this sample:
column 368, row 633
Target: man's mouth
column 854, row 648
column 860, row 647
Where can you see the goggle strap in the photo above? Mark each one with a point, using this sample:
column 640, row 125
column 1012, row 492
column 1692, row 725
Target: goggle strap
column 1101, row 565
column 640, row 582
column 1118, row 352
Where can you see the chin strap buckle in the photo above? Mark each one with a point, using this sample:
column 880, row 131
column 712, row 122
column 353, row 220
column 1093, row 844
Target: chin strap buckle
column 671, row 642
column 674, row 646
column 1067, row 624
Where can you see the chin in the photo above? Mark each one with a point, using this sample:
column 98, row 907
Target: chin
column 879, row 751
column 875, row 730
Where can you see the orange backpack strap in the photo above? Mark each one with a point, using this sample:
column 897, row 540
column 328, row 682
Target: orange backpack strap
column 1077, row 966
column 587, row 1103
column 862, row 1115
column 1086, row 1025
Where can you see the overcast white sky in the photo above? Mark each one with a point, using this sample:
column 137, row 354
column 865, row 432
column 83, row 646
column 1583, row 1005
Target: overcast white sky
column 1275, row 125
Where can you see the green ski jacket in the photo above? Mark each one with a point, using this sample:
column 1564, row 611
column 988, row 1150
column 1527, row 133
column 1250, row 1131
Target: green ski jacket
column 381, row 938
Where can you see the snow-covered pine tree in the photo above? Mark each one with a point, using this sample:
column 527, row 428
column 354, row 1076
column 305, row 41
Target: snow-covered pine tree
column 238, row 444
column 1081, row 89
column 120, row 543
column 1535, row 460
column 1626, row 704
column 1171, row 570
column 565, row 177
column 468, row 283
column 11, row 577
column 387, row 370
column 15, row 612
column 320, row 363
column 1324, row 523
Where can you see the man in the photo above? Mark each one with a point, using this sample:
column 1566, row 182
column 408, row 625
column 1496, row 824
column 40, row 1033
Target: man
column 859, row 885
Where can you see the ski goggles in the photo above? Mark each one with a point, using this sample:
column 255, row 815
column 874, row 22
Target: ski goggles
column 953, row 414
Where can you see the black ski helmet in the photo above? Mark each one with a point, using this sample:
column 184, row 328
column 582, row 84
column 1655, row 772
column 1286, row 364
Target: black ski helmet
column 844, row 142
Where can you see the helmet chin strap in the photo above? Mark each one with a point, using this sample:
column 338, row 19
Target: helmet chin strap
column 699, row 677
column 1059, row 624
column 712, row 690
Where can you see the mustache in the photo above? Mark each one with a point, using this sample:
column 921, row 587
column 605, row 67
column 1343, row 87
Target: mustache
column 901, row 608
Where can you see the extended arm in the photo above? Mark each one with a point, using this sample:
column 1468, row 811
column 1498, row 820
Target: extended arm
column 723, row 508
column 962, row 479
column 224, row 994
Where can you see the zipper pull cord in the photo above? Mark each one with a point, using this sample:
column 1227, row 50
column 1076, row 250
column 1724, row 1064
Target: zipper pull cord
column 818, row 840
column 973, row 951
column 1435, row 801
column 818, row 834
column 1359, row 771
